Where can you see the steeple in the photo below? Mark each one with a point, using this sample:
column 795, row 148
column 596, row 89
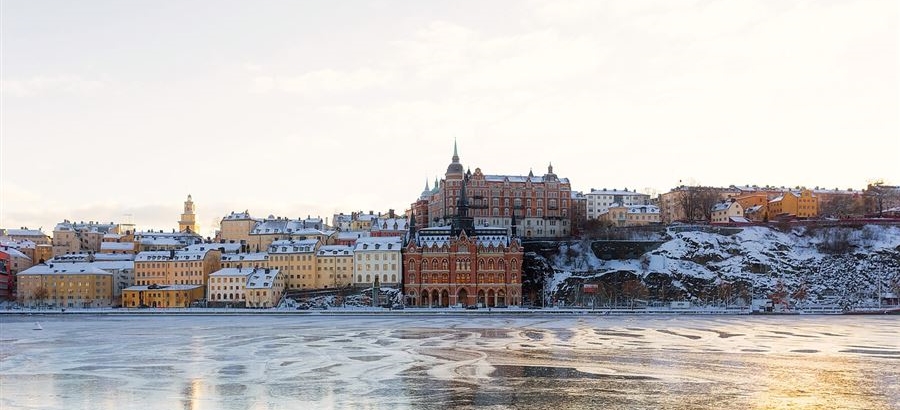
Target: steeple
column 455, row 169
column 188, row 222
column 462, row 221
column 455, row 154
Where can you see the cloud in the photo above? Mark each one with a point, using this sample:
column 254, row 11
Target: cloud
column 326, row 81
column 65, row 83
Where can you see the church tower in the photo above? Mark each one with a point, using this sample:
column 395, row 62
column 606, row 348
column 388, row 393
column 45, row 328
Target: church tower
column 188, row 222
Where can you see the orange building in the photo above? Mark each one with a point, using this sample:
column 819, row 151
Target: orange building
column 792, row 204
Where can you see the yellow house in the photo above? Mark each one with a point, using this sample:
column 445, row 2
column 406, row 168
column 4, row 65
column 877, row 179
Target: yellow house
column 727, row 212
column 72, row 285
column 177, row 267
column 801, row 204
column 296, row 259
column 630, row 215
column 264, row 288
column 334, row 263
column 236, row 227
column 755, row 204
column 162, row 296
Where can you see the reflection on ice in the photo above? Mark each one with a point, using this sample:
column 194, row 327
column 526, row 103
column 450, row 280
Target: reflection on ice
column 272, row 362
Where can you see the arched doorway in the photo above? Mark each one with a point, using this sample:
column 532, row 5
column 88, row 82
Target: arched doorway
column 462, row 297
column 481, row 300
column 501, row 298
column 434, row 298
column 491, row 301
column 424, row 299
column 445, row 299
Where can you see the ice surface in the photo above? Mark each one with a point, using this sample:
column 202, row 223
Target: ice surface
column 456, row 361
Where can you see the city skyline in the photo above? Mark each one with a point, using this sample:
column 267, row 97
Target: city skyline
column 312, row 109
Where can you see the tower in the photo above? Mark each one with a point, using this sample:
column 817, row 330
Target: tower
column 188, row 222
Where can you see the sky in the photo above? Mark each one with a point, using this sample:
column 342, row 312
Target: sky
column 115, row 111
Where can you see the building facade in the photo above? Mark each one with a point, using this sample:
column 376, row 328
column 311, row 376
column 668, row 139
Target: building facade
column 598, row 201
column 539, row 205
column 162, row 296
column 188, row 221
column 791, row 204
column 335, row 265
column 630, row 215
column 377, row 260
column 177, row 267
column 727, row 212
column 67, row 285
column 296, row 259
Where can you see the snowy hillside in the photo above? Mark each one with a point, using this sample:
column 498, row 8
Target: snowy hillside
column 813, row 265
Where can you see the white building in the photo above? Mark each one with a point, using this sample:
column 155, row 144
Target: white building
column 377, row 258
column 598, row 201
column 728, row 212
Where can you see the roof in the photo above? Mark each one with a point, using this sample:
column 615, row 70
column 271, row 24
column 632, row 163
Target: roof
column 335, row 250
column 238, row 216
column 739, row 219
column 274, row 225
column 228, row 247
column 385, row 243
column 262, row 279
column 162, row 287
column 391, row 224
column 23, row 232
column 231, row 272
column 520, row 179
column 116, row 246
column 354, row 235
column 180, row 255
column 239, row 257
column 98, row 257
column 293, row 246
column 605, row 191
column 65, row 269
column 754, row 208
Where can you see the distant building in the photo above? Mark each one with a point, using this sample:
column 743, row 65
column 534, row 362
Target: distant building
column 729, row 211
column 539, row 204
column 334, row 263
column 188, row 221
column 461, row 263
column 177, row 267
column 598, row 201
column 236, row 227
column 75, row 237
column 238, row 287
column 162, row 296
column 71, row 285
column 274, row 229
column 245, row 260
column 378, row 259
column 24, row 234
column 389, row 227
column 630, row 215
column 802, row 204
column 296, row 259
column 165, row 241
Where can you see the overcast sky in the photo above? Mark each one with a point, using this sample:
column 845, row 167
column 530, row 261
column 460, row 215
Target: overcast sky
column 112, row 108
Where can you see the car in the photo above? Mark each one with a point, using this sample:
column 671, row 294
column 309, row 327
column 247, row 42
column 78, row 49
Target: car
column 472, row 307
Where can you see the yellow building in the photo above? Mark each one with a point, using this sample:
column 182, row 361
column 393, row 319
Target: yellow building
column 274, row 229
column 236, row 227
column 115, row 243
column 188, row 222
column 630, row 215
column 177, row 267
column 75, row 237
column 68, row 285
column 727, row 212
column 334, row 264
column 755, row 205
column 296, row 259
column 792, row 204
column 162, row 296
column 264, row 288
column 24, row 234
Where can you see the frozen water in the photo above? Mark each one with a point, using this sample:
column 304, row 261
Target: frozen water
column 452, row 361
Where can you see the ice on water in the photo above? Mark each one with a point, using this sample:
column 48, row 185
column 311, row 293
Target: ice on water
column 282, row 362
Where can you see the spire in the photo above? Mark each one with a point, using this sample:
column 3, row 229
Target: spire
column 550, row 168
column 455, row 154
column 426, row 185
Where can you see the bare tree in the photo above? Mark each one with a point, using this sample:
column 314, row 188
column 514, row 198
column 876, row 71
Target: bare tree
column 840, row 206
column 697, row 202
column 40, row 294
column 880, row 197
column 633, row 289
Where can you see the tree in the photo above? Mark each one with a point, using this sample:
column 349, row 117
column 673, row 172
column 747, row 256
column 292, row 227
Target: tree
column 801, row 294
column 40, row 294
column 840, row 206
column 697, row 202
column 880, row 197
column 725, row 290
column 634, row 289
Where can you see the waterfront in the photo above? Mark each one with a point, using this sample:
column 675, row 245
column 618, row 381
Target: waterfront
column 456, row 361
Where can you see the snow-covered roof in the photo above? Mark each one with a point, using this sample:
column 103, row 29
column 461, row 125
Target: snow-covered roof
column 391, row 224
column 335, row 250
column 116, row 246
column 519, row 179
column 604, row 191
column 65, row 269
column 231, row 272
column 262, row 279
column 98, row 257
column 272, row 226
column 643, row 209
column 13, row 252
column 754, row 209
column 739, row 219
column 179, row 255
column 238, row 216
column 87, row 227
column 372, row 244
column 115, row 236
column 240, row 257
column 22, row 232
column 162, row 287
column 21, row 244
column 228, row 247
column 293, row 246
column 721, row 206
column 352, row 235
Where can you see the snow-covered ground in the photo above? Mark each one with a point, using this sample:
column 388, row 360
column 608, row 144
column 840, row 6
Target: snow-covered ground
column 840, row 265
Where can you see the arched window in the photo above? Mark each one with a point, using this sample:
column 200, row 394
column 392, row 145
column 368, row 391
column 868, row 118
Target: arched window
column 393, row 278
column 368, row 278
column 481, row 264
column 444, row 264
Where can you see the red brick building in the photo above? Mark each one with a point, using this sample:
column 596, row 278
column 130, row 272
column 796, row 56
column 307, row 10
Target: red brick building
column 461, row 264
column 539, row 205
